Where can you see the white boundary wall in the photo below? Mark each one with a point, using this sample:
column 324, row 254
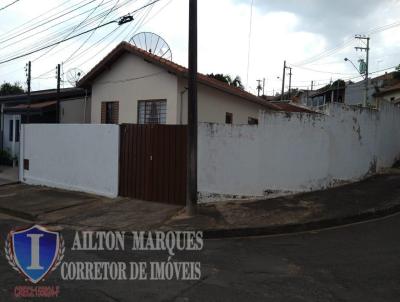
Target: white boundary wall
column 296, row 152
column 74, row 157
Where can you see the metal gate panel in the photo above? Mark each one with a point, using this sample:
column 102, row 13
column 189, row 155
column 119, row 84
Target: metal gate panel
column 153, row 162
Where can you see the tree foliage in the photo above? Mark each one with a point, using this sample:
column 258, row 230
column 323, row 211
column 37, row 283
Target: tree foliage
column 235, row 82
column 10, row 89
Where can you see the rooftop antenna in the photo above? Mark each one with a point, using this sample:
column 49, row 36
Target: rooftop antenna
column 153, row 44
column 74, row 75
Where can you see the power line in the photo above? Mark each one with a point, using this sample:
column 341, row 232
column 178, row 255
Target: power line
column 249, row 48
column 320, row 71
column 8, row 5
column 92, row 33
column 9, row 32
column 57, row 33
column 47, row 22
column 92, row 47
column 55, row 40
column 120, row 22
column 104, row 16
column 346, row 43
column 75, row 28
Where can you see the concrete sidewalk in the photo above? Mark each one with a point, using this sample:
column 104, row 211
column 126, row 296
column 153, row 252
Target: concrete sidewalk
column 8, row 175
column 374, row 197
column 76, row 210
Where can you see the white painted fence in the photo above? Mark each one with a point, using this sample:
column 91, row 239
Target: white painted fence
column 296, row 152
column 75, row 157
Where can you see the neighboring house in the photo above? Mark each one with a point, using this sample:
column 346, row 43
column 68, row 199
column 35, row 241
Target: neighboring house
column 355, row 92
column 390, row 94
column 301, row 97
column 291, row 107
column 74, row 109
column 333, row 93
column 131, row 85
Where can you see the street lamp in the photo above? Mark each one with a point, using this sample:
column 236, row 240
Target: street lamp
column 366, row 81
column 348, row 60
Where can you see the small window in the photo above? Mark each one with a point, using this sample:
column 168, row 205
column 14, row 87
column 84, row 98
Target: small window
column 17, row 123
column 110, row 112
column 229, row 118
column 253, row 121
column 11, row 131
column 152, row 112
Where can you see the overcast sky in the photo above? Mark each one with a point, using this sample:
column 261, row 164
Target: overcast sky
column 289, row 30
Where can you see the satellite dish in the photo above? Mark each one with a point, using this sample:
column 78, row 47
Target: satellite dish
column 74, row 75
column 152, row 43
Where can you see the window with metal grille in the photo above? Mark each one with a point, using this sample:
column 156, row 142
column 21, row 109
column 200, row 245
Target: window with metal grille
column 110, row 112
column 152, row 112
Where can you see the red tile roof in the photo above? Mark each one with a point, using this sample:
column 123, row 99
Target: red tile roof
column 287, row 107
column 172, row 67
column 33, row 106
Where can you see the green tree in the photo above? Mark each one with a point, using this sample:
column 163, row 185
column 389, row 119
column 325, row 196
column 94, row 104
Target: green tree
column 10, row 89
column 397, row 73
column 235, row 82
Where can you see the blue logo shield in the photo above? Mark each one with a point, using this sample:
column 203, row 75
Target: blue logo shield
column 35, row 251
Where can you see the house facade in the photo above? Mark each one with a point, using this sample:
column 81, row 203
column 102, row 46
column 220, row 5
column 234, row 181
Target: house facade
column 389, row 94
column 133, row 86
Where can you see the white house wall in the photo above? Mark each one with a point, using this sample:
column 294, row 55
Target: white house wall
column 213, row 105
column 296, row 152
column 75, row 157
column 129, row 80
column 75, row 111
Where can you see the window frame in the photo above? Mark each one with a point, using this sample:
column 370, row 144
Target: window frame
column 152, row 101
column 111, row 113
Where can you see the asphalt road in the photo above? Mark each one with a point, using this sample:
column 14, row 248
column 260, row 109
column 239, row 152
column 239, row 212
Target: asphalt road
column 354, row 263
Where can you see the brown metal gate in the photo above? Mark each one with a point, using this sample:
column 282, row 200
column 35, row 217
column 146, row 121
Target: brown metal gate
column 153, row 163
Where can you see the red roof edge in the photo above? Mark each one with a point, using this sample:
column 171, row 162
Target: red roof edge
column 172, row 67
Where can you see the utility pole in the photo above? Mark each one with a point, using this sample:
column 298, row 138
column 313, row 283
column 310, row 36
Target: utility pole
column 191, row 199
column 58, row 93
column 264, row 86
column 366, row 49
column 259, row 88
column 290, row 82
column 28, row 82
column 283, row 80
column 312, row 85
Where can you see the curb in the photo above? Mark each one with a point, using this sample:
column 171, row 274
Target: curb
column 300, row 227
column 10, row 184
column 17, row 214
